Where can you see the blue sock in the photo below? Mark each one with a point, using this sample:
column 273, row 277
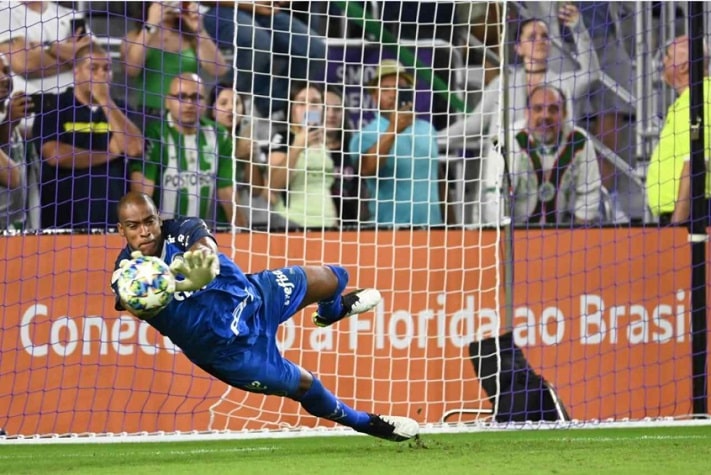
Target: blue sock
column 320, row 402
column 333, row 308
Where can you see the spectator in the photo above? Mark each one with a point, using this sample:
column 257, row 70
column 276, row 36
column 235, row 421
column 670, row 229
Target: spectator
column 41, row 40
column 272, row 47
column 553, row 171
column 188, row 169
column 397, row 154
column 533, row 46
column 346, row 189
column 13, row 165
column 669, row 173
column 170, row 42
column 427, row 21
column 300, row 166
column 40, row 43
column 228, row 109
column 83, row 137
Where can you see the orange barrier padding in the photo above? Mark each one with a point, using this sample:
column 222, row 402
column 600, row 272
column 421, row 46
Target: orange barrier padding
column 602, row 314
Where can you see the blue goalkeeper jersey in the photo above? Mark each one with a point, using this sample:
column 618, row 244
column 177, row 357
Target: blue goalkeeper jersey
column 210, row 323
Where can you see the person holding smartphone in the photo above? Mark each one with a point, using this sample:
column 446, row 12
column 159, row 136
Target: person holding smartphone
column 41, row 44
column 397, row 154
column 41, row 47
column 300, row 165
column 171, row 41
column 14, row 183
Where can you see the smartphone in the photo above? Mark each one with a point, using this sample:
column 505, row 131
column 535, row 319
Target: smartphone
column 76, row 24
column 405, row 97
column 37, row 102
column 312, row 118
column 43, row 102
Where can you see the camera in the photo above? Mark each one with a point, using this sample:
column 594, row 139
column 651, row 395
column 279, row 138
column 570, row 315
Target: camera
column 43, row 102
column 405, row 97
column 78, row 23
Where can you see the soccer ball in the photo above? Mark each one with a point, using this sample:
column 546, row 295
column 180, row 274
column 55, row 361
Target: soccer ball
column 146, row 284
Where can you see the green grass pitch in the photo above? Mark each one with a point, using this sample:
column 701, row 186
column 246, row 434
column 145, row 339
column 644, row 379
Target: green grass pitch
column 663, row 450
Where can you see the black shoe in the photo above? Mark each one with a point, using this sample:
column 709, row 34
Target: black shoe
column 394, row 428
column 355, row 302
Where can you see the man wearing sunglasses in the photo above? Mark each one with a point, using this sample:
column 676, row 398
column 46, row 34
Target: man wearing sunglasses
column 188, row 169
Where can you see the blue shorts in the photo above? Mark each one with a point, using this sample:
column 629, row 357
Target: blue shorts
column 260, row 367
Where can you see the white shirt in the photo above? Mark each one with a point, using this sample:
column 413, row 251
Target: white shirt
column 52, row 24
column 13, row 202
column 579, row 189
column 486, row 119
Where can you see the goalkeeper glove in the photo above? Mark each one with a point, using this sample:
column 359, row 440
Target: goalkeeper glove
column 198, row 269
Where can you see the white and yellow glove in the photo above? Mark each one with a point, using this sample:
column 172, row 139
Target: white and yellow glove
column 198, row 269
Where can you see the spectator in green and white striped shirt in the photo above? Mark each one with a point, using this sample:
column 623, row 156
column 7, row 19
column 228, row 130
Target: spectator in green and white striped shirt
column 188, row 169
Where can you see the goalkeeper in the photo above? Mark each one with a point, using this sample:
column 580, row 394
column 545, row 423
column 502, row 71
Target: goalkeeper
column 225, row 321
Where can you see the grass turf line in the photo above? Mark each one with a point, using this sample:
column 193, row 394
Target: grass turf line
column 662, row 450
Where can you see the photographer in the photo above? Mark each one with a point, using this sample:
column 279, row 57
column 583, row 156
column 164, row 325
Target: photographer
column 398, row 154
column 172, row 41
column 13, row 163
column 41, row 44
column 300, row 165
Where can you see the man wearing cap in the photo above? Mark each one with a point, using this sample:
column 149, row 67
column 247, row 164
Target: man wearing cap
column 398, row 155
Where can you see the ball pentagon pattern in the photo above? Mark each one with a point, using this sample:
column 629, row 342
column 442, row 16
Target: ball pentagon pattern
column 146, row 284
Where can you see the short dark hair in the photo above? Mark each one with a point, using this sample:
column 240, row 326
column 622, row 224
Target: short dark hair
column 549, row 87
column 136, row 198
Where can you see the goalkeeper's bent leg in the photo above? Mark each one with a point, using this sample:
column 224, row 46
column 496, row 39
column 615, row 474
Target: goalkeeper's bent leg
column 332, row 308
column 320, row 402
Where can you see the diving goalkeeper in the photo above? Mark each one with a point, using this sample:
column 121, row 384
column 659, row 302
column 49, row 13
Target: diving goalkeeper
column 225, row 321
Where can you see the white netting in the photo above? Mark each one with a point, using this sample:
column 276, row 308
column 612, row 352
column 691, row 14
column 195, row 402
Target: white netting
column 311, row 164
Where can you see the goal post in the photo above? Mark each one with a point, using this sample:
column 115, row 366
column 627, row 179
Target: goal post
column 602, row 310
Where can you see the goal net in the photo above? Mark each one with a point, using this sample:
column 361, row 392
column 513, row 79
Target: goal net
column 482, row 164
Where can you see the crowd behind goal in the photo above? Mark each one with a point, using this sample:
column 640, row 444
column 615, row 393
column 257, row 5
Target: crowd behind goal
column 228, row 112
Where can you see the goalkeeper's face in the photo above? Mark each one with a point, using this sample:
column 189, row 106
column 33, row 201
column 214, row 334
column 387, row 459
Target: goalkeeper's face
column 140, row 224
